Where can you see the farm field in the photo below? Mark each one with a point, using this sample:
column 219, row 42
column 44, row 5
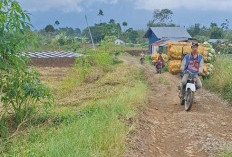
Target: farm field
column 84, row 112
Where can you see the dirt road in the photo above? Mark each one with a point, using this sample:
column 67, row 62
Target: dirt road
column 164, row 129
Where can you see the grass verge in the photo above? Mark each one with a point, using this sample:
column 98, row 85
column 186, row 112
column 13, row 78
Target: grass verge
column 92, row 119
column 225, row 154
column 221, row 79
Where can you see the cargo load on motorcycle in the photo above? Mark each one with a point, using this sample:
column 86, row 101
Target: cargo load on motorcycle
column 177, row 50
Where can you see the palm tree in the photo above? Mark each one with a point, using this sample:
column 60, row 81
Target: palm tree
column 57, row 23
column 100, row 13
column 125, row 24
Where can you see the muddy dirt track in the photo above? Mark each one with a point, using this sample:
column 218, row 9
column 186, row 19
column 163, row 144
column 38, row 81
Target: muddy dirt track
column 164, row 129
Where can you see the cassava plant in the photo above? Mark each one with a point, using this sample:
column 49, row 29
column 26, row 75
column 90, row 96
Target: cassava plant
column 20, row 87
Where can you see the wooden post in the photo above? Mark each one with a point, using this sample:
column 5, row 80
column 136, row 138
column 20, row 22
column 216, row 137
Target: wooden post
column 90, row 32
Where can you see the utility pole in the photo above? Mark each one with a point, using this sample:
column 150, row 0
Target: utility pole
column 90, row 32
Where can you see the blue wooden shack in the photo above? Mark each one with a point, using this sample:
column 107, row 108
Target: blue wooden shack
column 156, row 34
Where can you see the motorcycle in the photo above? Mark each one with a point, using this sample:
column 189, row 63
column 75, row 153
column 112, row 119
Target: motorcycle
column 188, row 91
column 142, row 60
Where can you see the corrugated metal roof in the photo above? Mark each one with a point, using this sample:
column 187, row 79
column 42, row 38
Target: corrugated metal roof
column 170, row 32
column 164, row 41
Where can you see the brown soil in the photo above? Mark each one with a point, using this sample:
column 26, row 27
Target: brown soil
column 136, row 52
column 52, row 62
column 164, row 129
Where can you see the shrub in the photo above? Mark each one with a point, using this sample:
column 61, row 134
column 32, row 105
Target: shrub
column 221, row 79
column 20, row 88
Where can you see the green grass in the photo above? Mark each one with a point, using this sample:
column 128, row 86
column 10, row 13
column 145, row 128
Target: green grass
column 98, row 128
column 221, row 80
column 225, row 154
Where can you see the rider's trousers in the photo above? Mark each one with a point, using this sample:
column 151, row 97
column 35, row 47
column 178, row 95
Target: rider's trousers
column 185, row 78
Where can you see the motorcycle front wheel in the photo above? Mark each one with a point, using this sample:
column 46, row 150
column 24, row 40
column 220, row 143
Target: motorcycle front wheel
column 181, row 96
column 182, row 101
column 189, row 99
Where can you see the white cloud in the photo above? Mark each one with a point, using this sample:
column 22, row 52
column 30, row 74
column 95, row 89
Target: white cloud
column 79, row 5
column 222, row 5
column 63, row 5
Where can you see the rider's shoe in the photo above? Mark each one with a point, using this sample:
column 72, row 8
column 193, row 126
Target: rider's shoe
column 180, row 93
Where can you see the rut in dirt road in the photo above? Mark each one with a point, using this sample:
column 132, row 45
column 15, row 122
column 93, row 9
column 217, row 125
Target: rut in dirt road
column 165, row 129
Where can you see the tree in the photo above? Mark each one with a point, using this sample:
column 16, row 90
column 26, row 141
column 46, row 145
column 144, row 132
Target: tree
column 163, row 16
column 201, row 38
column 112, row 21
column 124, row 23
column 78, row 31
column 100, row 14
column 57, row 23
column 152, row 24
column 212, row 24
column 131, row 35
column 49, row 29
column 68, row 31
column 20, row 86
column 140, row 39
column 225, row 25
column 194, row 30
column 204, row 31
column 99, row 31
column 216, row 33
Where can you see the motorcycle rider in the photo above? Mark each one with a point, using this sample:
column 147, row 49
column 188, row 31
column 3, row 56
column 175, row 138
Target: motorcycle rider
column 142, row 57
column 160, row 59
column 192, row 63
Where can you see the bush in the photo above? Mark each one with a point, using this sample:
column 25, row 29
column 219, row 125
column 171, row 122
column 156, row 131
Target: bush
column 149, row 59
column 166, row 66
column 94, row 60
column 20, row 87
column 228, row 91
column 221, row 79
column 93, row 65
column 3, row 128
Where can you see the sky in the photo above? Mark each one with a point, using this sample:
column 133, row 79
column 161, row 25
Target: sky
column 136, row 13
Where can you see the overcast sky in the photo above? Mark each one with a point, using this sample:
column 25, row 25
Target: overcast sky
column 135, row 12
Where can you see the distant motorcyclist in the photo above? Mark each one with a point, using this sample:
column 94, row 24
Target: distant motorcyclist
column 142, row 55
column 160, row 60
column 192, row 63
column 142, row 58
